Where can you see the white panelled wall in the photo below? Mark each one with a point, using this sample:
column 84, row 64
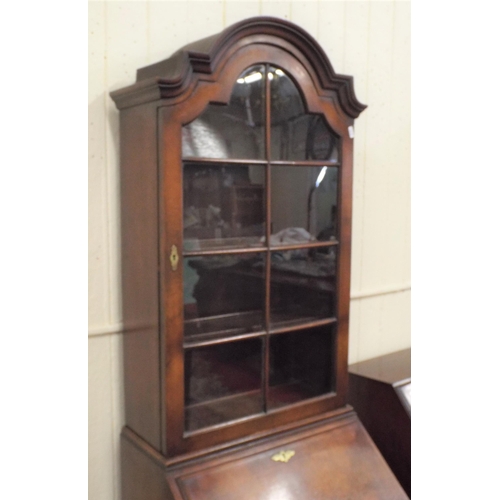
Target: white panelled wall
column 367, row 39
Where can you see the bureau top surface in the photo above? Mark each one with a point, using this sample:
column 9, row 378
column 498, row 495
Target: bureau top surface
column 390, row 368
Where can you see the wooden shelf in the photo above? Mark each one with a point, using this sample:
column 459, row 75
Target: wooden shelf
column 223, row 410
column 293, row 325
column 284, row 395
column 232, row 248
column 211, row 414
column 249, row 245
column 280, row 163
column 244, row 331
column 227, row 161
column 223, row 326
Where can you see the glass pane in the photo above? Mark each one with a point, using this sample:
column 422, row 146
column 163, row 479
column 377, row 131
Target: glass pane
column 300, row 365
column 295, row 134
column 223, row 383
column 235, row 130
column 302, row 286
column 223, row 296
column 303, row 204
column 224, row 206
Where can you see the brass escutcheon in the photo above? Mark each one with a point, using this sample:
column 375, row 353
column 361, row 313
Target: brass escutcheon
column 283, row 456
column 174, row 258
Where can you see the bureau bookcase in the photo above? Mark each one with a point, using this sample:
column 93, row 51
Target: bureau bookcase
column 236, row 191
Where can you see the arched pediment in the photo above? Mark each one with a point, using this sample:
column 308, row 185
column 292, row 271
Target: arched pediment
column 172, row 77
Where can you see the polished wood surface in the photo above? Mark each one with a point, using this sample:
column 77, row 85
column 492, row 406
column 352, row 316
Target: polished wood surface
column 335, row 459
column 328, row 463
column 139, row 261
column 142, row 474
column 393, row 368
column 373, row 392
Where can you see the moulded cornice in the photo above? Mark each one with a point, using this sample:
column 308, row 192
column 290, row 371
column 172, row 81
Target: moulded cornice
column 172, row 77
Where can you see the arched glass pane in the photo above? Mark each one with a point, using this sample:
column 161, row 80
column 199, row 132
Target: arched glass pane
column 235, row 130
column 295, row 134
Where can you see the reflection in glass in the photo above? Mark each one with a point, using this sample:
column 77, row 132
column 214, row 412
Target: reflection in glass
column 300, row 365
column 224, row 205
column 222, row 383
column 295, row 134
column 302, row 286
column 223, row 295
column 235, row 130
column 303, row 204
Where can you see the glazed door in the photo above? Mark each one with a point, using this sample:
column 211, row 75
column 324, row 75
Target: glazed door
column 257, row 256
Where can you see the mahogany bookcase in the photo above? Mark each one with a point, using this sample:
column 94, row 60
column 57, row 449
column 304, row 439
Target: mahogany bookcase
column 236, row 200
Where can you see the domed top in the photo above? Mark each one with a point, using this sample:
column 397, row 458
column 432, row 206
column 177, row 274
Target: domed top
column 171, row 77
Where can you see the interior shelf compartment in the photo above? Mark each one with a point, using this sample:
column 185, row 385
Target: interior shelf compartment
column 223, row 382
column 222, row 410
column 223, row 205
column 302, row 285
column 300, row 365
column 223, row 295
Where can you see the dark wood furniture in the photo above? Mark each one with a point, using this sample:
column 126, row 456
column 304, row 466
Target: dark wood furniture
column 236, row 186
column 380, row 390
